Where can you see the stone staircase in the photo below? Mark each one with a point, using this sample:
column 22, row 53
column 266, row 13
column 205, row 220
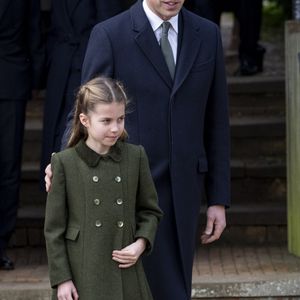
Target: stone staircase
column 257, row 117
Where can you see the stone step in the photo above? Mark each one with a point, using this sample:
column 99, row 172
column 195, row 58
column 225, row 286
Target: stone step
column 31, row 192
column 258, row 136
column 259, row 167
column 32, row 145
column 257, row 105
column 264, row 96
column 241, row 85
column 29, row 226
column 257, row 126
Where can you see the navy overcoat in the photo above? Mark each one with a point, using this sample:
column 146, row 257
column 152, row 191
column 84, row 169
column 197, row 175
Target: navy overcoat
column 183, row 125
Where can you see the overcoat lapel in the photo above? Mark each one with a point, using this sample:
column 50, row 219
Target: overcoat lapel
column 190, row 44
column 3, row 7
column 67, row 12
column 72, row 5
column 146, row 40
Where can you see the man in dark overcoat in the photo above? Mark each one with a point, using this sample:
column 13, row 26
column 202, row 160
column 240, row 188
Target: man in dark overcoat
column 181, row 120
column 71, row 24
column 21, row 61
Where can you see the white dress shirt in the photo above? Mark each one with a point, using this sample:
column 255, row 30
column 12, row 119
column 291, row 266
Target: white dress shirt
column 156, row 22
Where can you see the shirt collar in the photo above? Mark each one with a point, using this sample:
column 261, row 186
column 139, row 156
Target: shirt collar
column 156, row 21
column 92, row 158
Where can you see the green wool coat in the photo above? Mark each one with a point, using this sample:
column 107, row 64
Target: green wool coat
column 98, row 204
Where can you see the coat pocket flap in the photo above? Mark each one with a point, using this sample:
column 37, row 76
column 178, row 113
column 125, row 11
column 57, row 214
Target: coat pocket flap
column 202, row 165
column 72, row 233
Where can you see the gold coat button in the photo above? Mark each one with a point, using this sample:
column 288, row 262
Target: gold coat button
column 98, row 223
column 118, row 179
column 120, row 224
column 96, row 201
column 119, row 201
column 95, row 178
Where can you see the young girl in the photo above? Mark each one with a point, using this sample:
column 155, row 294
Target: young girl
column 102, row 210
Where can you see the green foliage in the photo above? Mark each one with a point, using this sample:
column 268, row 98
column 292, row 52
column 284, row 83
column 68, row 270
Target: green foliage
column 274, row 16
column 279, row 10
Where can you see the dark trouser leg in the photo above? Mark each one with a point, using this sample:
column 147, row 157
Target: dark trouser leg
column 163, row 267
column 11, row 138
column 249, row 14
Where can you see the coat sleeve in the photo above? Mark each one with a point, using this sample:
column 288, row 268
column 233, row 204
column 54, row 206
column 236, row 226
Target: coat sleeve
column 55, row 226
column 217, row 137
column 148, row 213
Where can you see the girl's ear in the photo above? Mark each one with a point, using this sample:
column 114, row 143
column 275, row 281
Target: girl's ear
column 84, row 120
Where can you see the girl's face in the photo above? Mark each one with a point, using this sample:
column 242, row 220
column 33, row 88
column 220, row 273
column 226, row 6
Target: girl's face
column 104, row 125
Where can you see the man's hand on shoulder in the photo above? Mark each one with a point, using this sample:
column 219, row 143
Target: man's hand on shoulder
column 215, row 224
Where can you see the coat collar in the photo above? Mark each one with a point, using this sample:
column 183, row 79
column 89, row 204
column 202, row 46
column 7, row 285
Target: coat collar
column 71, row 6
column 189, row 32
column 92, row 158
column 68, row 11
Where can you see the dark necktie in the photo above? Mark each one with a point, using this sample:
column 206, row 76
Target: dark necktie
column 166, row 48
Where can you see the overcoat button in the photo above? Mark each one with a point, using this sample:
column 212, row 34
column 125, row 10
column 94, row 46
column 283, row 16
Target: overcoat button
column 119, row 201
column 118, row 179
column 120, row 224
column 96, row 201
column 98, row 223
column 95, row 178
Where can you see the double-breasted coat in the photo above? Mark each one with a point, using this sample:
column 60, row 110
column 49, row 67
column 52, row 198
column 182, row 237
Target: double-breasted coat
column 183, row 125
column 71, row 24
column 98, row 204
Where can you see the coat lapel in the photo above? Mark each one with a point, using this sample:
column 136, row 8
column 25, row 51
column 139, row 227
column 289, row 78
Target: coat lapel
column 190, row 42
column 72, row 5
column 68, row 9
column 3, row 7
column 146, row 40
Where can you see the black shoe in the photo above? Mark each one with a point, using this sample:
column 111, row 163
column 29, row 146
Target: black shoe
column 251, row 64
column 247, row 69
column 6, row 263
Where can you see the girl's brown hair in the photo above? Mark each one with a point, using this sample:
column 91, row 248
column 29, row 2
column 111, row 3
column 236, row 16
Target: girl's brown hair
column 98, row 90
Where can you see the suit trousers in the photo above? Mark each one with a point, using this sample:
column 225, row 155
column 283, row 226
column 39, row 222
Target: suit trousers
column 12, row 120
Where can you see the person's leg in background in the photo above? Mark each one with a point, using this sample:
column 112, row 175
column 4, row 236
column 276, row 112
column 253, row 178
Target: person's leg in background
column 251, row 53
column 11, row 138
